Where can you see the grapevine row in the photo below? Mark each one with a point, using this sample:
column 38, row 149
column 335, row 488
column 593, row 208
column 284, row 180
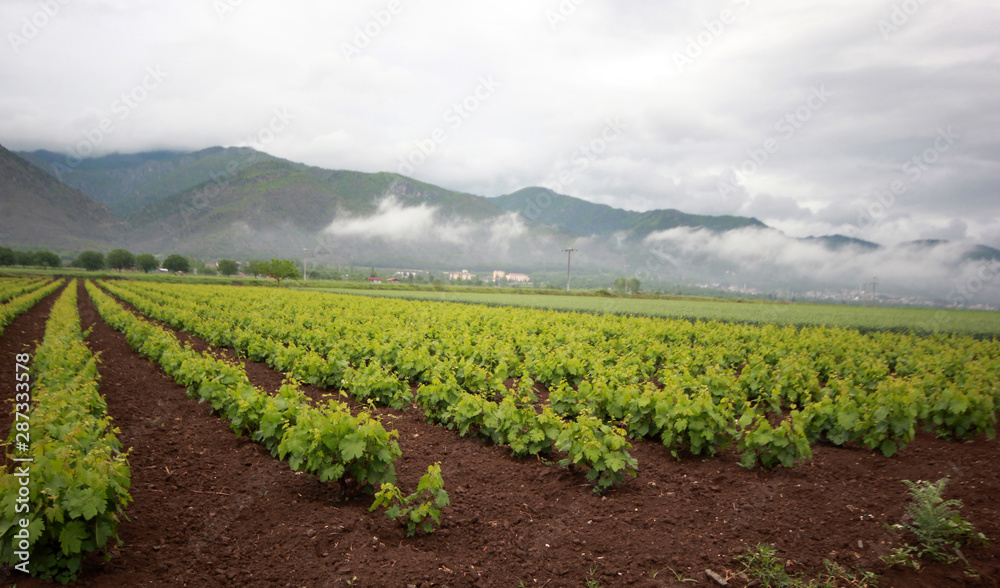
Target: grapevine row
column 21, row 303
column 78, row 476
column 325, row 440
column 13, row 287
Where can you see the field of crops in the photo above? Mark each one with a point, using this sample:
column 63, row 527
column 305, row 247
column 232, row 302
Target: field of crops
column 696, row 387
column 598, row 397
column 918, row 320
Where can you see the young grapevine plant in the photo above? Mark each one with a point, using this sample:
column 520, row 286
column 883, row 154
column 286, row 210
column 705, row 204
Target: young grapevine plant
column 420, row 510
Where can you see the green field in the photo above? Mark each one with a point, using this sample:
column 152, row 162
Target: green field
column 917, row 320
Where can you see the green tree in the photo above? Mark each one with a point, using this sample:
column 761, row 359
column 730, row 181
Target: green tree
column 90, row 261
column 146, row 262
column 24, row 258
column 280, row 269
column 47, row 259
column 254, row 267
column 120, row 259
column 633, row 285
column 620, row 286
column 177, row 263
column 7, row 256
column 228, row 267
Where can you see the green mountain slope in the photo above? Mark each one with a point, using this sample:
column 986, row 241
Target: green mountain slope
column 126, row 183
column 39, row 212
column 587, row 218
column 261, row 204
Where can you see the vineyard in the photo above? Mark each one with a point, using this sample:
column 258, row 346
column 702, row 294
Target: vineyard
column 346, row 389
column 696, row 387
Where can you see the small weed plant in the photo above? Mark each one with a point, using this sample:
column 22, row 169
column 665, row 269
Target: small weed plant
column 422, row 509
column 761, row 562
column 936, row 523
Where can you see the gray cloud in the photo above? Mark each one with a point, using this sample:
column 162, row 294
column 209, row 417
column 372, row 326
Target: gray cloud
column 561, row 74
column 906, row 269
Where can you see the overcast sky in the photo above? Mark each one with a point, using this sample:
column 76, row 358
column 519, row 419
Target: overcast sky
column 797, row 113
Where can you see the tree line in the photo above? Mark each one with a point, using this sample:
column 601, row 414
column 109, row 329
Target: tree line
column 12, row 257
column 123, row 259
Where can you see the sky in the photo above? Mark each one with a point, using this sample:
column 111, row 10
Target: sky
column 876, row 119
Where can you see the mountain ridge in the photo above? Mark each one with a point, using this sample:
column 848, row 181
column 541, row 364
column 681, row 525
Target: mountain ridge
column 239, row 202
column 588, row 218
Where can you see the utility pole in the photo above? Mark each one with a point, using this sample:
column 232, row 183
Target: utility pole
column 305, row 260
column 874, row 288
column 569, row 258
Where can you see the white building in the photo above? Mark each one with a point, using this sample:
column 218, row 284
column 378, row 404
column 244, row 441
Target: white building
column 463, row 275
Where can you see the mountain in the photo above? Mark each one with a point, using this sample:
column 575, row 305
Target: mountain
column 126, row 183
column 587, row 218
column 240, row 203
column 838, row 242
column 983, row 253
column 262, row 205
column 37, row 211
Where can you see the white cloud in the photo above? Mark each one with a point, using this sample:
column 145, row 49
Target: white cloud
column 393, row 221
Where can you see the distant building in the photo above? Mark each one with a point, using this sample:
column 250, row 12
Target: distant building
column 500, row 275
column 375, row 280
column 463, row 275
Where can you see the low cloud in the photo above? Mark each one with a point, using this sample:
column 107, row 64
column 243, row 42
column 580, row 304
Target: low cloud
column 392, row 221
column 505, row 230
column 423, row 233
column 768, row 257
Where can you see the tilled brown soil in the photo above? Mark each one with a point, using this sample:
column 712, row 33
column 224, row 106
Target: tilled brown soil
column 213, row 509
